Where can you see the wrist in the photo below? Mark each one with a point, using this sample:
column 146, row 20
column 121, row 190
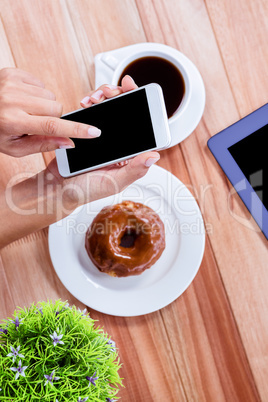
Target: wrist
column 31, row 205
column 59, row 195
column 67, row 192
column 41, row 195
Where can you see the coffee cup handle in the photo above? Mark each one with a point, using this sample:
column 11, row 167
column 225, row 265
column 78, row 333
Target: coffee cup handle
column 110, row 61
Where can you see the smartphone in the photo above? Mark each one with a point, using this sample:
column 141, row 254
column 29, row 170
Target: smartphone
column 130, row 123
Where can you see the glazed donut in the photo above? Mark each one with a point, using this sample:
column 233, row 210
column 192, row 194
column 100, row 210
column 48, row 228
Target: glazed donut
column 125, row 239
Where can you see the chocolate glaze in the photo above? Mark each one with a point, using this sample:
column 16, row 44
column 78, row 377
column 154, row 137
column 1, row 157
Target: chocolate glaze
column 125, row 239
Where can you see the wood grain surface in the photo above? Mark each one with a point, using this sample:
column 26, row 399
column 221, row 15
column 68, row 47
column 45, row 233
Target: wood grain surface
column 211, row 344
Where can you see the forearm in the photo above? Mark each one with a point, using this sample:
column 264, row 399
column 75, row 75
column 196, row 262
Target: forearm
column 29, row 206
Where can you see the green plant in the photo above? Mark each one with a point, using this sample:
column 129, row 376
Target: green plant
column 52, row 352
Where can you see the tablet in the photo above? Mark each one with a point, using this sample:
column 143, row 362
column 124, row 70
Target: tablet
column 242, row 153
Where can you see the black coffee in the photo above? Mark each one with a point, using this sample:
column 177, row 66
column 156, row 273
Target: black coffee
column 155, row 69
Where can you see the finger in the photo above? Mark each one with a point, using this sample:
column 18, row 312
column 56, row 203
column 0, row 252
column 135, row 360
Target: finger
column 31, row 144
column 121, row 164
column 29, row 78
column 97, row 96
column 55, row 127
column 13, row 74
column 38, row 92
column 86, row 102
column 40, row 107
column 136, row 168
column 111, row 90
column 128, row 84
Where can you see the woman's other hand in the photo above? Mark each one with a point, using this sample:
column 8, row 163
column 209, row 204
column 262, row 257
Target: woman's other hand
column 29, row 117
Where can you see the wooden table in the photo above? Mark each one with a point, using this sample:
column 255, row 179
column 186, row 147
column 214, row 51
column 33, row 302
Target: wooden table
column 211, row 344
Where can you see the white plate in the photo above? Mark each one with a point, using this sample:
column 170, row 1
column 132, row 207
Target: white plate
column 186, row 123
column 156, row 287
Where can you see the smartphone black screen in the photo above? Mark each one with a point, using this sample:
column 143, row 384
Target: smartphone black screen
column 126, row 129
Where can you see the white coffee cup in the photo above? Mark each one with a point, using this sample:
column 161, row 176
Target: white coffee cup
column 118, row 65
column 110, row 65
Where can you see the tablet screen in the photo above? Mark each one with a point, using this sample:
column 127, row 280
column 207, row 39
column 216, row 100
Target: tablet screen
column 251, row 155
column 241, row 151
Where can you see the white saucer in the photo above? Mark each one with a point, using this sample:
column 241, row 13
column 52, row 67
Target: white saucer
column 154, row 288
column 189, row 119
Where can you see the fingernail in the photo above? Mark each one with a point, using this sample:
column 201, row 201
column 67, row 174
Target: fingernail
column 97, row 95
column 85, row 100
column 131, row 79
column 94, row 132
column 67, row 146
column 111, row 86
column 150, row 161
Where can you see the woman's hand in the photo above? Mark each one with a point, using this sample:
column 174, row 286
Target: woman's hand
column 29, row 117
column 87, row 187
column 47, row 197
column 103, row 182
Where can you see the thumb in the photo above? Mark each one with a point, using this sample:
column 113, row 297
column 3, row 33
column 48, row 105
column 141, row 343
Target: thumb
column 128, row 84
column 136, row 168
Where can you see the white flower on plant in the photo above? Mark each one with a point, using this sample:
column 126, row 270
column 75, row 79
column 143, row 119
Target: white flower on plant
column 19, row 370
column 113, row 345
column 82, row 400
column 15, row 353
column 56, row 338
column 84, row 312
